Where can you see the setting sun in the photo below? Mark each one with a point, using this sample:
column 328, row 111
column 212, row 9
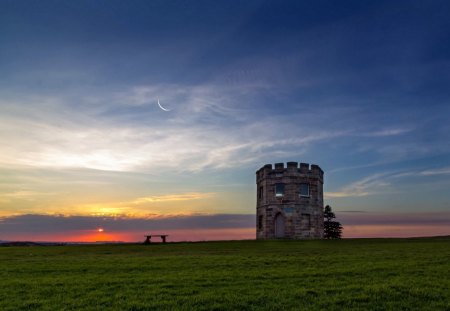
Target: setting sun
column 100, row 230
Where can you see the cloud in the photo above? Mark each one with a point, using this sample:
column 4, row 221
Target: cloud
column 364, row 187
column 207, row 227
column 145, row 206
column 409, row 218
column 439, row 171
column 387, row 132
column 410, row 224
column 170, row 197
column 33, row 223
column 24, row 194
column 207, row 128
column 377, row 183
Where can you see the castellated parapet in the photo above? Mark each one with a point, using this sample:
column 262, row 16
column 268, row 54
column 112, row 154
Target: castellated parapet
column 289, row 201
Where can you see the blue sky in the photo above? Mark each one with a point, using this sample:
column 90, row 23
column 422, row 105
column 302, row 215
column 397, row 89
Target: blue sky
column 361, row 88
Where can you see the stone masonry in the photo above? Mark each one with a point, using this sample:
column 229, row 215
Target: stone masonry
column 289, row 202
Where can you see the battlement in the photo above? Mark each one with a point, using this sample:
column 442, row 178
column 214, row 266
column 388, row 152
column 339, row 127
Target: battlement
column 291, row 168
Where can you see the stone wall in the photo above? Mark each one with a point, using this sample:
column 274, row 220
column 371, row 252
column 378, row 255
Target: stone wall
column 291, row 215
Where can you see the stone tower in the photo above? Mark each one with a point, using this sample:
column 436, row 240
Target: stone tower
column 289, row 202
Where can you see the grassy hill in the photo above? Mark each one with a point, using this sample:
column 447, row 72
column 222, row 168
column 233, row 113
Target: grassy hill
column 359, row 274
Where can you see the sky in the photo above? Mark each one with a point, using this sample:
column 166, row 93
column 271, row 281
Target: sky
column 361, row 88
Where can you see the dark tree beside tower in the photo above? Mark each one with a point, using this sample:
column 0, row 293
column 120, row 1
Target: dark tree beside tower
column 331, row 229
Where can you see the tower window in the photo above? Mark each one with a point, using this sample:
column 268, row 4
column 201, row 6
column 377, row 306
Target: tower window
column 304, row 190
column 279, row 190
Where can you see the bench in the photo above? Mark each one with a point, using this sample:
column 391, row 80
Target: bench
column 148, row 238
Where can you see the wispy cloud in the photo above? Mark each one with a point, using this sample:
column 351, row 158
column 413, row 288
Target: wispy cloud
column 359, row 224
column 170, row 197
column 28, row 196
column 187, row 103
column 205, row 129
column 364, row 187
column 25, row 194
column 387, row 132
column 439, row 171
column 377, row 183
column 148, row 206
column 393, row 218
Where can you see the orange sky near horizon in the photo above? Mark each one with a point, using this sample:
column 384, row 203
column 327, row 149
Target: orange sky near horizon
column 178, row 235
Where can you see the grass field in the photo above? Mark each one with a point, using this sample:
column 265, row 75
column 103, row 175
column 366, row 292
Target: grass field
column 360, row 274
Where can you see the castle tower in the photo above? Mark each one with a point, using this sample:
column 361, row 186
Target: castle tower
column 289, row 202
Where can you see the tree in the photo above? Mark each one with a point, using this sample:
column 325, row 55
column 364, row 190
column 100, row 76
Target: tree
column 331, row 229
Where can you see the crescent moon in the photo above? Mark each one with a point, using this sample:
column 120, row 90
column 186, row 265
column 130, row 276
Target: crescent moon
column 162, row 106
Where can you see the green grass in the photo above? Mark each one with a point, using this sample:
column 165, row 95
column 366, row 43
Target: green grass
column 360, row 274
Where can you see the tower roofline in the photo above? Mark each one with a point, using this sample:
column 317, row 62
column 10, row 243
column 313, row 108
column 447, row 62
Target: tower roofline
column 304, row 168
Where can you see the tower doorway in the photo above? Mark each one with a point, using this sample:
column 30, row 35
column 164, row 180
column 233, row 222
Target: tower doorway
column 279, row 226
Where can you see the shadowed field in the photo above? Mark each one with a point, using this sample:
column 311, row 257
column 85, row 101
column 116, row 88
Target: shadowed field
column 375, row 274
